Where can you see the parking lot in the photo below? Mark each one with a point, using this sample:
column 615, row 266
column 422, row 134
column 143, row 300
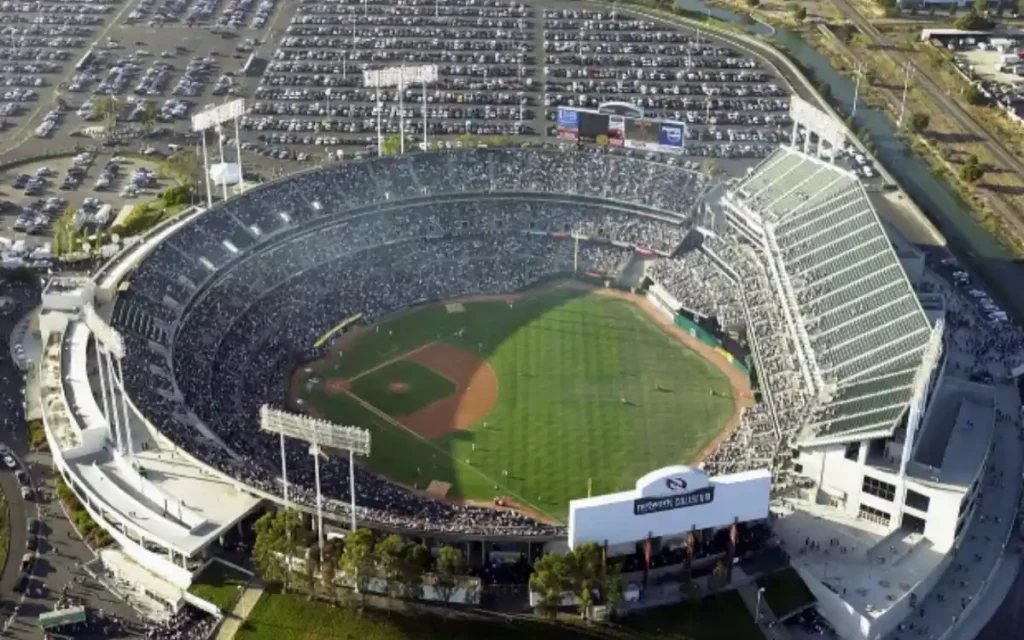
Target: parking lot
column 35, row 195
column 504, row 68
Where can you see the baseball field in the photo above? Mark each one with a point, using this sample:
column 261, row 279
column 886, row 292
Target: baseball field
column 532, row 398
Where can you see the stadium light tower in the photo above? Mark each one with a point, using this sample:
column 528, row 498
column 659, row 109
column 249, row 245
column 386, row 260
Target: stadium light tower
column 214, row 117
column 319, row 434
column 400, row 77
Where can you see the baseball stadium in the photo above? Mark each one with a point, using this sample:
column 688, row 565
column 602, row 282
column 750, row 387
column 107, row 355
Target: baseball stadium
column 517, row 330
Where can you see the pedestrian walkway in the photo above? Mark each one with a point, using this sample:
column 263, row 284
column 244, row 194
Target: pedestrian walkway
column 246, row 602
column 979, row 569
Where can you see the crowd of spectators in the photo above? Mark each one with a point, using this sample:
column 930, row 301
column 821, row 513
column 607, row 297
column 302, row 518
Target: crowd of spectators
column 188, row 623
column 701, row 286
column 241, row 292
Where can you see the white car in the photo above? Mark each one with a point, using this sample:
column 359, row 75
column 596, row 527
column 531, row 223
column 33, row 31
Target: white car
column 9, row 461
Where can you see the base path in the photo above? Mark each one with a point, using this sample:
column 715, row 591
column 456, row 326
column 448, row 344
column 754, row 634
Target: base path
column 476, row 384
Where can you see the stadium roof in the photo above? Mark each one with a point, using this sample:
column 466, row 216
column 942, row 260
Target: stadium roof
column 857, row 324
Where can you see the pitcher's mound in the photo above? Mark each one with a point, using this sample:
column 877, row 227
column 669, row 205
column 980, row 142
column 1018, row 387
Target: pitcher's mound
column 398, row 387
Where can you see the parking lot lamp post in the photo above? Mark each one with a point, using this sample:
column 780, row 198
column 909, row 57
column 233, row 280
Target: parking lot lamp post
column 401, row 112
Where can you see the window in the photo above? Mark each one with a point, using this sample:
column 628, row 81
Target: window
column 918, row 501
column 874, row 515
column 879, row 489
column 852, row 451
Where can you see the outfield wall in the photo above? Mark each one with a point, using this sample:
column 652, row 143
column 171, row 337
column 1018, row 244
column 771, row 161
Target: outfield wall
column 667, row 304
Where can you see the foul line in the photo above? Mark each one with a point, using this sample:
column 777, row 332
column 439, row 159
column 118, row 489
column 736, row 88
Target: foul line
column 401, row 356
column 395, row 423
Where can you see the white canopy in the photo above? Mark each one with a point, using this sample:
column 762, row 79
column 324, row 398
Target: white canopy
column 226, row 173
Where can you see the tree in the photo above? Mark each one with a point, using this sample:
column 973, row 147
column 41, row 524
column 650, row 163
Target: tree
column 392, row 145
column 718, row 575
column 919, row 121
column 974, row 21
column 587, row 566
column 449, row 572
column 971, row 172
column 357, row 559
column 414, row 563
column 981, row 7
column 329, row 567
column 550, row 580
column 107, row 108
column 310, row 567
column 799, row 12
column 277, row 536
column 150, row 116
column 390, row 553
column 974, row 96
column 186, row 167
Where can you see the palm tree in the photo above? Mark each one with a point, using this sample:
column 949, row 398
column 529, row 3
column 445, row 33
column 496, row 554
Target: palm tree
column 150, row 116
column 107, row 108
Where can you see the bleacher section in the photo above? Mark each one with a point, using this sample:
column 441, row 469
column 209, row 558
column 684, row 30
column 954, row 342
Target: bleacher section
column 853, row 317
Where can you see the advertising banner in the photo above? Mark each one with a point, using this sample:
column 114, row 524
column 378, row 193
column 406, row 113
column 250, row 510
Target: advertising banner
column 568, row 124
column 642, row 133
column 616, row 131
column 672, row 135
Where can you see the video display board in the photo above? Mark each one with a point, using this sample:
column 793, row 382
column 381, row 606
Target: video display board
column 648, row 134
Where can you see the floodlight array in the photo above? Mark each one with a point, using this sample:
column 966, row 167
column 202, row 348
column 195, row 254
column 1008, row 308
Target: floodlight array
column 400, row 76
column 219, row 114
column 315, row 431
column 818, row 122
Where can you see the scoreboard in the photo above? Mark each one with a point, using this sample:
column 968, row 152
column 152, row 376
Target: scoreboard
column 616, row 130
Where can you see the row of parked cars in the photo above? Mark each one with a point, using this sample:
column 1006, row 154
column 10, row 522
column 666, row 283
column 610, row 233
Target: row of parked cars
column 32, row 526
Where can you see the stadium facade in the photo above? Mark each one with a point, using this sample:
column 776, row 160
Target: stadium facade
column 845, row 356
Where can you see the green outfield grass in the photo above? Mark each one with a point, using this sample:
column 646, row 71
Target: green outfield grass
column 293, row 617
column 422, row 387
column 565, row 361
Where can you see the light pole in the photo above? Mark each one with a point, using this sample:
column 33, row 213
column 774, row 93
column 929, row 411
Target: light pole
column 757, row 611
column 903, row 102
column 856, row 90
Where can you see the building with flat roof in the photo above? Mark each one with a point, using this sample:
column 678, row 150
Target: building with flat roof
column 884, row 523
column 164, row 510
